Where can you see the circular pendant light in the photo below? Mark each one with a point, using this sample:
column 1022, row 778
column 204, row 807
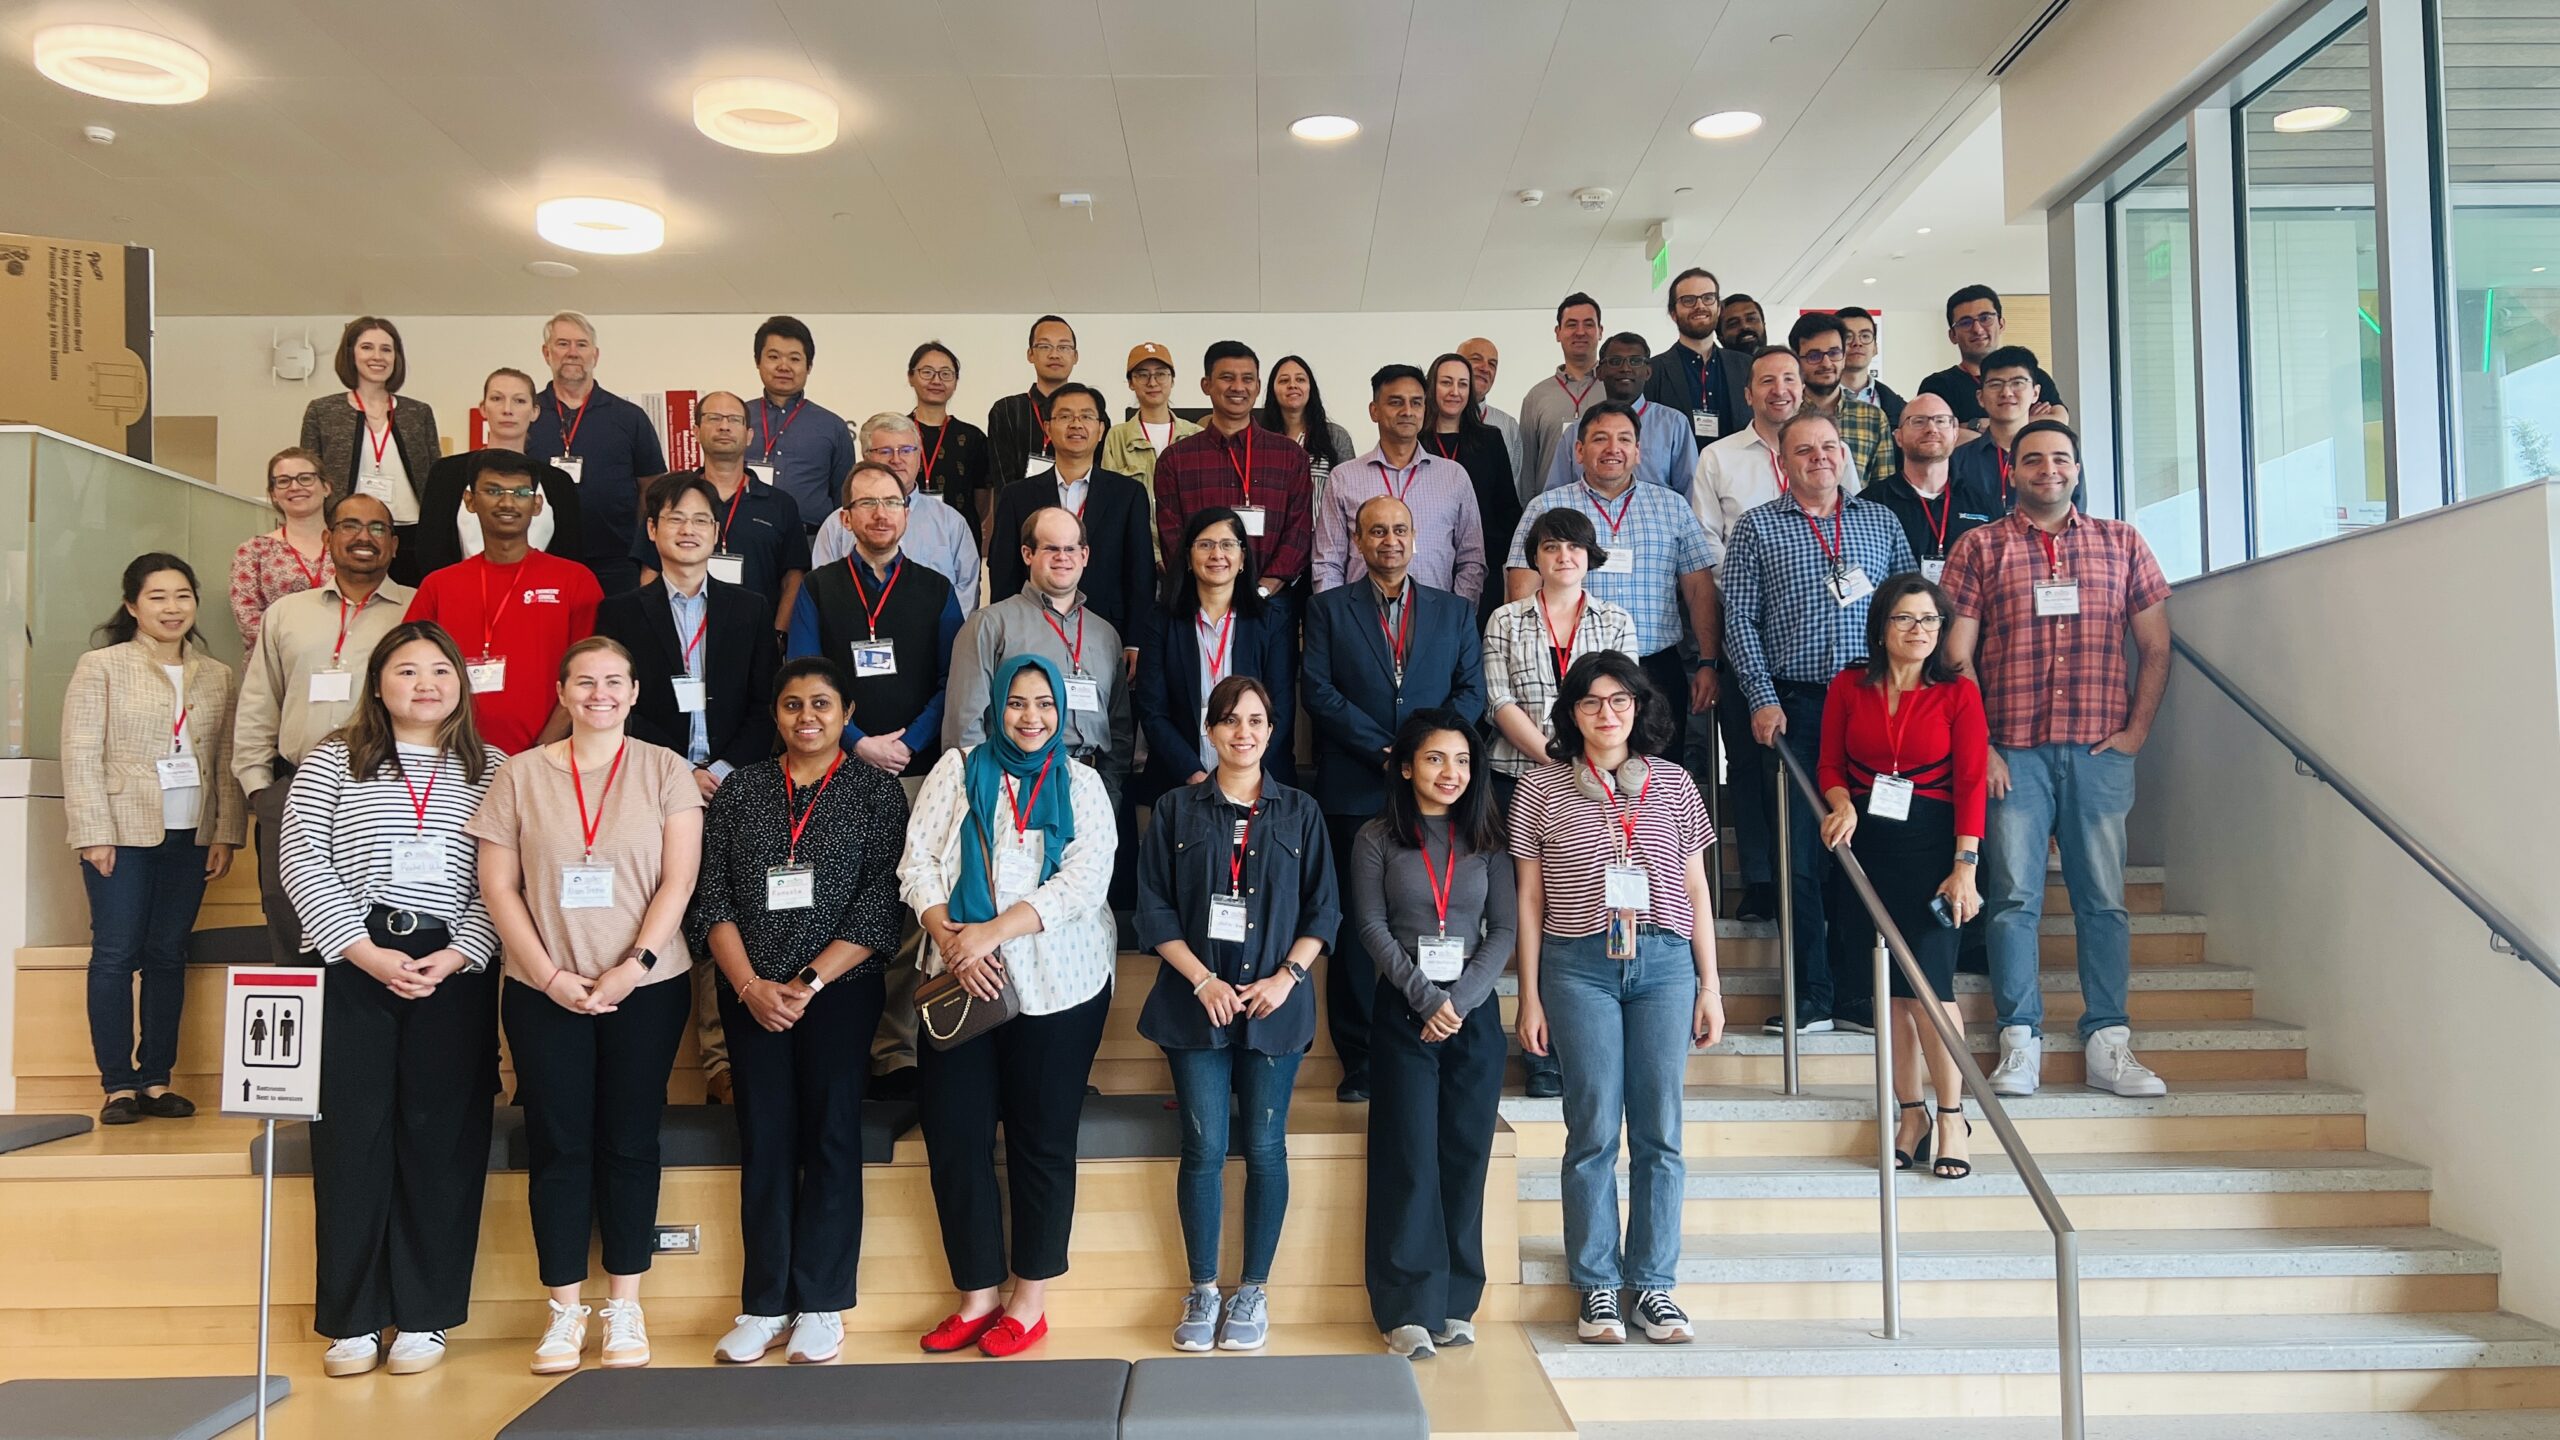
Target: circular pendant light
column 114, row 63
column 769, row 117
column 1725, row 125
column 599, row 226
column 2308, row 118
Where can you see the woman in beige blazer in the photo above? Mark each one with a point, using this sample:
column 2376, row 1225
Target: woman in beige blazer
column 150, row 804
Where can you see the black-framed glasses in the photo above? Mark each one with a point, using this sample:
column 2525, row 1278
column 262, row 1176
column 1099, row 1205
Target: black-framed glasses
column 507, row 492
column 1909, row 623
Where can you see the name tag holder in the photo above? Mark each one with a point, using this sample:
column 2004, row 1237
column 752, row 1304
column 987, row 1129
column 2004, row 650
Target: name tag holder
column 790, row 887
column 417, row 859
column 2057, row 597
column 571, row 466
column 1707, row 423
column 586, row 886
column 331, row 687
column 763, row 470
column 488, row 674
column 1933, row 571
column 1622, row 556
column 879, row 658
column 692, row 696
column 1251, row 517
column 1441, row 957
column 1084, row 693
column 178, row 772
column 1890, row 799
column 729, row 569
column 1626, row 886
column 1852, row 585
column 1226, row 918
column 1018, row 866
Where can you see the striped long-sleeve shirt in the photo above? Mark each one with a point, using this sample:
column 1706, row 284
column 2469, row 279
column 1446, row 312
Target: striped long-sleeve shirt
column 335, row 853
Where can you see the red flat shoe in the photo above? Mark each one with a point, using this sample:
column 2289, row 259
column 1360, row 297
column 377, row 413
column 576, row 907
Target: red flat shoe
column 1007, row 1337
column 955, row 1333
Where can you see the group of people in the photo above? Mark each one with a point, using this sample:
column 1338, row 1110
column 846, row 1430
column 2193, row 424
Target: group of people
column 835, row 754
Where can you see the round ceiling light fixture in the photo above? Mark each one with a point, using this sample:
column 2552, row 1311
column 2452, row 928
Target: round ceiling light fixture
column 599, row 226
column 1324, row 129
column 768, row 117
column 115, row 63
column 2308, row 118
column 1725, row 125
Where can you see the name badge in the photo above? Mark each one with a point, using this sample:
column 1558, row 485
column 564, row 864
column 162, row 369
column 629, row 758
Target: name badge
column 1037, row 465
column 1627, row 887
column 1622, row 556
column 1018, row 865
column 329, row 687
column 488, row 676
column 876, row 659
column 586, row 887
column 1891, row 799
column 417, row 859
column 790, row 887
column 763, row 472
column 729, row 569
column 1442, row 957
column 1707, row 423
column 1852, row 585
column 691, row 694
column 178, row 772
column 1251, row 515
column 1084, row 693
column 1226, row 918
column 1933, row 571
column 2057, row 597
column 571, row 466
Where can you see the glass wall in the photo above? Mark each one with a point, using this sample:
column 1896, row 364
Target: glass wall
column 2155, row 321
column 2501, row 162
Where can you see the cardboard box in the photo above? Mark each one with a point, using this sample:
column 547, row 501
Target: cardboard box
column 75, row 340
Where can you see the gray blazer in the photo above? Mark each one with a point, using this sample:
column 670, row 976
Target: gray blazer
column 332, row 429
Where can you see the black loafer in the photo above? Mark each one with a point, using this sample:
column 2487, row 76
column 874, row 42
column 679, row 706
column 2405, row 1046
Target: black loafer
column 1544, row 1085
column 168, row 1105
column 120, row 1110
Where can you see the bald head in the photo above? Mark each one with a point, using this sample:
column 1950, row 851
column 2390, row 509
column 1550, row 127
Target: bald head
column 1384, row 532
column 1927, row 431
column 1484, row 359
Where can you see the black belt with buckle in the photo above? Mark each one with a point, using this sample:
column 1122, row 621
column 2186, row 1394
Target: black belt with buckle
column 395, row 921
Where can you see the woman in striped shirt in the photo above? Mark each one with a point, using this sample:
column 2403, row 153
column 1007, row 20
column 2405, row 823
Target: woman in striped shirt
column 388, row 891
column 1618, row 968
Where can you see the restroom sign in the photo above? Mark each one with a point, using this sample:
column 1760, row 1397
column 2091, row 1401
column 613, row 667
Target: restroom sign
column 271, row 1042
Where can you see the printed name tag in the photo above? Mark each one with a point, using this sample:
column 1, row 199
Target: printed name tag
column 1707, row 423
column 870, row 660
column 2057, row 597
column 729, row 569
column 1622, row 556
column 1084, row 693
column 488, row 676
column 586, row 887
column 1627, row 887
column 571, row 466
column 1018, row 867
column 329, row 687
column 1226, row 918
column 790, row 887
column 1038, row 465
column 1251, row 515
column 1891, row 799
column 419, row 859
column 691, row 694
column 1933, row 571
column 763, row 472
column 1853, row 585
column 1442, row 957
column 178, row 772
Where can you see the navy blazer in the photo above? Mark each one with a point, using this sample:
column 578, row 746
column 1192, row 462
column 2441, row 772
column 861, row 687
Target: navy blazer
column 1350, row 688
column 1119, row 528
column 738, row 665
column 1167, row 698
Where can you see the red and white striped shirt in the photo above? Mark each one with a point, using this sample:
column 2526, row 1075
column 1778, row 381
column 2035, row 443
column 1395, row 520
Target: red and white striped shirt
column 1575, row 839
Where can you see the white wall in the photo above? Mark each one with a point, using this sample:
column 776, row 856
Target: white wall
column 219, row 365
column 2423, row 661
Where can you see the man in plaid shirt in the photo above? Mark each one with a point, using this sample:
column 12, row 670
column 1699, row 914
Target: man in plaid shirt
column 1822, row 348
column 2043, row 598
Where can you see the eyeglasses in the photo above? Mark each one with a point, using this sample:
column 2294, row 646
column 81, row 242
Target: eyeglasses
column 1834, row 353
column 1707, row 301
column 1908, row 623
column 1620, row 703
column 672, row 520
column 375, row 528
column 1151, row 374
column 2014, row 385
column 1976, row 322
column 895, row 452
column 294, row 482
column 1057, row 552
column 1930, row 422
column 722, row 418
column 1215, row 545
column 937, row 374
column 1053, row 347
column 889, row 503
column 507, row 492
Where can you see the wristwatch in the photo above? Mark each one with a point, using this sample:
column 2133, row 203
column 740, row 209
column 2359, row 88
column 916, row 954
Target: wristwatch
column 1711, row 662
column 810, row 977
column 1297, row 970
column 648, row 958
column 1969, row 857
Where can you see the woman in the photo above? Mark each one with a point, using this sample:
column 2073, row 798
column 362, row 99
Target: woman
column 149, row 802
column 1008, row 860
column 1457, row 432
column 369, row 440
column 588, row 851
column 1236, row 895
column 1441, row 931
column 1292, row 406
column 388, row 890
column 292, row 557
column 1618, row 969
column 1532, row 643
column 1905, row 753
column 951, row 453
column 798, row 906
column 449, row 534
column 1213, row 623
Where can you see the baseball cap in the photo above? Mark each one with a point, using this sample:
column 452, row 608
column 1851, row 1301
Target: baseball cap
column 1141, row 354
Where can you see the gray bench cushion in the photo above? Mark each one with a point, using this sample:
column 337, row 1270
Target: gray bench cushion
column 1051, row 1399
column 1339, row 1397
column 191, row 1408
column 688, row 1135
column 17, row 1132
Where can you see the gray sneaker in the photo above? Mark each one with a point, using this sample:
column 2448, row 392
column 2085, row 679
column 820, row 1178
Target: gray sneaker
column 1198, row 1331
column 1248, row 1322
column 1454, row 1332
column 1410, row 1341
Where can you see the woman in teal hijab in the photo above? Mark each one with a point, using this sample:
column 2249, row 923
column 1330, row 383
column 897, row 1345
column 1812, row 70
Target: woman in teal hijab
column 1008, row 868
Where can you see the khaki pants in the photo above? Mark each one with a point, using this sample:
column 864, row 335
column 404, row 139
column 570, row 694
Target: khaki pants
column 893, row 1045
column 708, row 1037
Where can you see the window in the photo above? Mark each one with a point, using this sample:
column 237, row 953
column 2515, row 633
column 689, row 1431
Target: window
column 2155, row 366
column 2501, row 162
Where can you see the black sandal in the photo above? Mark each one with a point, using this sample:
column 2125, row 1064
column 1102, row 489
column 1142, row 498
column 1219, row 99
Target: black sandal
column 1949, row 1168
column 1902, row 1161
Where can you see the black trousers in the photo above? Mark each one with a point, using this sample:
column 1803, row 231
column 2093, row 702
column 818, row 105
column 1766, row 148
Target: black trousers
column 1670, row 675
column 1504, row 788
column 800, row 1146
column 1431, row 1118
column 1028, row 1073
column 594, row 1088
column 1350, row 981
column 284, row 927
column 400, row 1155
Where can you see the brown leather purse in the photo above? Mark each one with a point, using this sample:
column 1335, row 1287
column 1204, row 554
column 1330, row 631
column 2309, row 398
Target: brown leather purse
column 946, row 1012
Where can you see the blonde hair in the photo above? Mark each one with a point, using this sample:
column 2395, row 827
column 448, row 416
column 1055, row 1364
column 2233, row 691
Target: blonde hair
column 889, row 421
column 571, row 317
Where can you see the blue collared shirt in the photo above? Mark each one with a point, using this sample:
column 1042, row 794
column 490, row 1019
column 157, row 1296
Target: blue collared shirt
column 1666, row 453
column 810, row 449
column 937, row 538
column 616, row 445
column 1782, row 618
column 693, row 620
column 1660, row 530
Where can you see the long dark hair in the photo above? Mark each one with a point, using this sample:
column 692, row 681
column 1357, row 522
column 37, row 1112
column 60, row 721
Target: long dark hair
column 368, row 731
column 1479, row 824
column 1471, row 418
column 121, row 626
column 1319, row 441
column 1937, row 669
column 1182, row 588
column 1653, row 712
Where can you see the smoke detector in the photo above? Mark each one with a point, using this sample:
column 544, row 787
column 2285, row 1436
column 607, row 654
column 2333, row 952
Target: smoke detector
column 98, row 134
column 1594, row 197
column 1530, row 199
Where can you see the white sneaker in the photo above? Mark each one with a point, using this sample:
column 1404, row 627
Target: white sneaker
column 2021, row 1061
column 563, row 1340
column 750, row 1337
column 1410, row 1341
column 2108, row 1056
column 817, row 1337
column 416, row 1351
column 355, row 1355
column 626, row 1335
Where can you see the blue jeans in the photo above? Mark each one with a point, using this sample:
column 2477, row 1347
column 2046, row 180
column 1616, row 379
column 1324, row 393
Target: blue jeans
column 1261, row 1085
column 139, row 920
column 1621, row 1029
column 2079, row 800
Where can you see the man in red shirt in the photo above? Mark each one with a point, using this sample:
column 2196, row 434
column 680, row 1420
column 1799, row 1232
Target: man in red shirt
column 2043, row 598
column 1261, row 475
column 513, row 610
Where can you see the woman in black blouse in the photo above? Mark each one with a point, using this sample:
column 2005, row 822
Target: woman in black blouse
column 1457, row 432
column 1236, row 893
column 798, row 904
column 1433, row 898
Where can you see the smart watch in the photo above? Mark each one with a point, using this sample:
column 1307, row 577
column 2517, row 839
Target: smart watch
column 648, row 958
column 810, row 977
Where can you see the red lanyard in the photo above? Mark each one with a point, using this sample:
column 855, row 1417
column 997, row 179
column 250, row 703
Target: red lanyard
column 1218, row 657
column 1600, row 507
column 1626, row 818
column 773, row 437
column 341, row 647
column 569, row 431
column 686, row 660
column 489, row 617
column 1401, row 636
column 1898, row 720
column 179, row 729
column 1387, row 475
column 941, row 433
column 313, row 573
column 2003, row 457
column 1440, row 883
column 1046, row 445
column 1075, row 652
column 731, row 519
column 390, row 406
column 587, row 828
column 417, row 800
column 1448, row 447
column 1574, row 395
column 1946, row 515
column 2052, row 554
column 1562, row 649
column 1022, row 807
column 791, row 798
column 1244, row 468
column 872, row 608
column 1835, row 549
column 1235, row 857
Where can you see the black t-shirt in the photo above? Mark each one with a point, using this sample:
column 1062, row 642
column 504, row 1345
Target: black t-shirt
column 1962, row 391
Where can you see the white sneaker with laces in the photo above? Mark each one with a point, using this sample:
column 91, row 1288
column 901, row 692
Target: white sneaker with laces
column 2021, row 1061
column 413, row 1351
column 817, row 1337
column 355, row 1355
column 750, row 1337
column 563, row 1340
column 626, row 1335
column 2111, row 1065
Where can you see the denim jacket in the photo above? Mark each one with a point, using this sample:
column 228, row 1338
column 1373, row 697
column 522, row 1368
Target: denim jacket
column 1289, row 895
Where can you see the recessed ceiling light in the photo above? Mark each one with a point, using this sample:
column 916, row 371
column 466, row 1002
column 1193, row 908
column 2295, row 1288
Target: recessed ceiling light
column 1924, row 230
column 1870, row 280
column 2537, row 269
column 1324, row 127
column 598, row 226
column 551, row 269
column 114, row 63
column 1725, row 124
column 2308, row 118
column 769, row 117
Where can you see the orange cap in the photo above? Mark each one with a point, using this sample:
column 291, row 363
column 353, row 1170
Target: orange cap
column 1141, row 354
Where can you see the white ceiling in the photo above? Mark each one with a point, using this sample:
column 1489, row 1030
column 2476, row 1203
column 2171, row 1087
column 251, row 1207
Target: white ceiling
column 387, row 154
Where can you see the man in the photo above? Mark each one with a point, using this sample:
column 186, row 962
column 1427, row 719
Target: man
column 599, row 440
column 1935, row 507
column 936, row 535
column 1695, row 376
column 1447, row 549
column 1263, row 476
column 762, row 545
column 794, row 444
column 955, row 451
column 1742, row 471
column 300, row 683
column 2043, row 599
column 1558, row 400
column 1119, row 577
column 2009, row 399
column 1130, row 448
column 1975, row 324
column 1485, row 359
column 1740, row 326
column 1378, row 650
column 1858, row 376
column 1018, row 438
column 1796, row 584
column 513, row 610
column 1666, row 452
column 1049, row 616
column 703, row 661
column 1660, row 561
column 1822, row 349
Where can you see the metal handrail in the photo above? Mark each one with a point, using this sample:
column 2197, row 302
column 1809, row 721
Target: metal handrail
column 2505, row 935
column 2066, row 1240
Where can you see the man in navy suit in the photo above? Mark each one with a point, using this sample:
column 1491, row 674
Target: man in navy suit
column 1376, row 652
column 1119, row 524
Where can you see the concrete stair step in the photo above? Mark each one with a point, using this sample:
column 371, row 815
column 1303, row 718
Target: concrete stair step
column 2176, row 1035
column 2206, row 976
column 2179, row 1050
column 1737, row 1103
column 2442, row 1425
column 2028, row 1255
column 1819, row 1177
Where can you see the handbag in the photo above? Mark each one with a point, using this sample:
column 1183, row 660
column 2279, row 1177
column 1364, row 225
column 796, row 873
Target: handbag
column 947, row 1014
